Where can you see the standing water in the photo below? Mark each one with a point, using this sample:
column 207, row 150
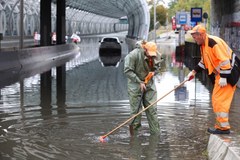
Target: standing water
column 97, row 102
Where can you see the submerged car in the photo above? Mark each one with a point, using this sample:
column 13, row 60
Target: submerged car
column 110, row 51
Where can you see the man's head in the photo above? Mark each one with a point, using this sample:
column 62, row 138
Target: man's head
column 151, row 49
column 199, row 34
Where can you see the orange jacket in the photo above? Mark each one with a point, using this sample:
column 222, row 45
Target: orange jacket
column 215, row 56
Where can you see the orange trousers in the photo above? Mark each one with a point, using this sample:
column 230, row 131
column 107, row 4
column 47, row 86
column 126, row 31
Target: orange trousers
column 221, row 102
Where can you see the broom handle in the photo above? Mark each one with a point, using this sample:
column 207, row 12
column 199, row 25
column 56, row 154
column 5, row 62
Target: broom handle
column 144, row 109
column 139, row 106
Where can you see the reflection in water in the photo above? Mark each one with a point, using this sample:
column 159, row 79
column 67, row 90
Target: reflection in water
column 42, row 121
column 61, row 86
column 145, row 148
column 181, row 94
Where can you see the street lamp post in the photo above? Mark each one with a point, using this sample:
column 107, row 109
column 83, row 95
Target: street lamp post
column 154, row 19
column 21, row 24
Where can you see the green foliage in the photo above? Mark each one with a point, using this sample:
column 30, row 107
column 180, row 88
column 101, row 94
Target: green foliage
column 161, row 15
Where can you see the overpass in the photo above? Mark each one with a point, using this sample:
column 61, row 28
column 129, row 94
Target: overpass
column 84, row 17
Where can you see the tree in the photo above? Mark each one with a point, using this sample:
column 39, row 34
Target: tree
column 161, row 15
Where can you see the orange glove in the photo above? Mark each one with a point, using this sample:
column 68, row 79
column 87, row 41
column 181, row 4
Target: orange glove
column 148, row 77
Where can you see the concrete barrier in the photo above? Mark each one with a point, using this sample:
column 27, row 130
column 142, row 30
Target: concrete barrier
column 48, row 53
column 223, row 147
column 16, row 65
column 9, row 61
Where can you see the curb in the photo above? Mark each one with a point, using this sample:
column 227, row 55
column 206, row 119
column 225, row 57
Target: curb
column 224, row 147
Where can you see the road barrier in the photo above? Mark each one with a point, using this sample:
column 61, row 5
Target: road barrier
column 18, row 64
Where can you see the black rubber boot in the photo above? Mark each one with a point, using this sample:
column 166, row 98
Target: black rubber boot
column 218, row 131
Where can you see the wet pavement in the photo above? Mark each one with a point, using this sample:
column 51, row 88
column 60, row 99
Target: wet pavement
column 97, row 102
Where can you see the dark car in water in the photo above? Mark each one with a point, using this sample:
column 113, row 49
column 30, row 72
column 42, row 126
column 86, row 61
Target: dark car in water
column 110, row 51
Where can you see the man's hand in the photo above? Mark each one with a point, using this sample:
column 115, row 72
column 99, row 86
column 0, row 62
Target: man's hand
column 222, row 82
column 191, row 75
column 143, row 87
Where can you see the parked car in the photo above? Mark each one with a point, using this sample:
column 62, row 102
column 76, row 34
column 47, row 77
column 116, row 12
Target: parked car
column 110, row 51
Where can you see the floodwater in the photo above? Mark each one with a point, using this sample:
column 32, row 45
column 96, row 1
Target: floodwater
column 95, row 103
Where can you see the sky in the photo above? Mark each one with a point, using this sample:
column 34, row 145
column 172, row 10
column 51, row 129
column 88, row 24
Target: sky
column 166, row 2
column 163, row 2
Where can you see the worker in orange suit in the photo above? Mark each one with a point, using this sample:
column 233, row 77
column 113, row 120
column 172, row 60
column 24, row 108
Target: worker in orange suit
column 216, row 58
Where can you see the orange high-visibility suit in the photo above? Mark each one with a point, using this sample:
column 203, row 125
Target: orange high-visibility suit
column 215, row 57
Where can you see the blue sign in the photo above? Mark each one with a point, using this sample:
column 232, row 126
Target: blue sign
column 193, row 23
column 196, row 14
column 182, row 18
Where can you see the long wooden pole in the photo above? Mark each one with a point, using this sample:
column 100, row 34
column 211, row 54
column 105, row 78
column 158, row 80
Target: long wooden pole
column 104, row 136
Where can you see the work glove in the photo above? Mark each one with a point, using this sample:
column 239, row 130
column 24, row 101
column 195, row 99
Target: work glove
column 191, row 75
column 222, row 82
column 149, row 77
column 143, row 87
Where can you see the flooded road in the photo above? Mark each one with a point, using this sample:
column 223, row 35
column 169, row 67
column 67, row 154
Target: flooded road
column 97, row 102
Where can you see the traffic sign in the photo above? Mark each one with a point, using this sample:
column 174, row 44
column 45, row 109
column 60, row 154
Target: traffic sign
column 196, row 14
column 182, row 18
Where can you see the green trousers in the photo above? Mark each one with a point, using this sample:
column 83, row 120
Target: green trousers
column 149, row 97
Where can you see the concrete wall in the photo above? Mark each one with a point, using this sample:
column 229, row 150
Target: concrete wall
column 225, row 21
